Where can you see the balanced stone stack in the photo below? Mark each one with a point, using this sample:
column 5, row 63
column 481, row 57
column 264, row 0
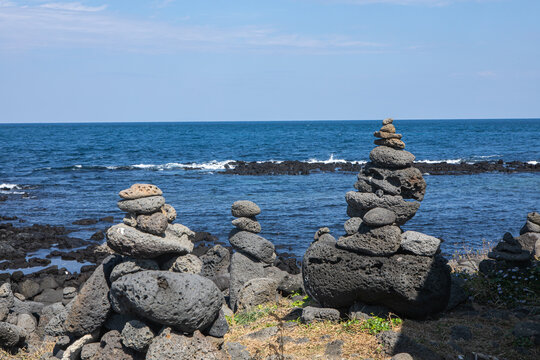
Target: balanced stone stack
column 149, row 297
column 253, row 278
column 375, row 262
column 516, row 251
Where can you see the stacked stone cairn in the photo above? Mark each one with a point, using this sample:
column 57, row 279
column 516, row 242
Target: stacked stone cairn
column 147, row 301
column 376, row 263
column 518, row 251
column 254, row 279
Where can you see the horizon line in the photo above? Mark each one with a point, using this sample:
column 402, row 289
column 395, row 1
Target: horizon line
column 261, row 121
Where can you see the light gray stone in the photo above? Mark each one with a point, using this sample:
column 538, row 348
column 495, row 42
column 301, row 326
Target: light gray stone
column 6, row 300
column 169, row 211
column 420, row 244
column 352, row 225
column 27, row 323
column 73, row 352
column 237, row 351
column 257, row 292
column 145, row 205
column 137, row 191
column 409, row 181
column 529, row 227
column 188, row 264
column 245, row 208
column 361, row 203
column 131, row 265
column 242, row 269
column 155, row 223
column 380, row 241
column 170, row 345
column 29, row 288
column 379, row 217
column 27, row 307
column 56, row 325
column 247, row 224
column 534, row 217
column 253, row 245
column 132, row 242
column 137, row 335
column 391, row 158
column 312, row 314
column 185, row 302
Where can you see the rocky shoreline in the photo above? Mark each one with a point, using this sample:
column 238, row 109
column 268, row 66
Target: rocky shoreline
column 439, row 168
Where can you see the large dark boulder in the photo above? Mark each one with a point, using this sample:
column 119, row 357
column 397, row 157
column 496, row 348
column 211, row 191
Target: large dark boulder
column 186, row 302
column 412, row 286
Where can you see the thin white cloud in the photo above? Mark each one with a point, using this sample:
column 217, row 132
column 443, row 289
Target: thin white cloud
column 486, row 74
column 405, row 2
column 28, row 27
column 73, row 6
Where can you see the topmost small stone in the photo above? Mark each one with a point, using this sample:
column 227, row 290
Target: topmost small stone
column 245, row 208
column 387, row 121
column 137, row 191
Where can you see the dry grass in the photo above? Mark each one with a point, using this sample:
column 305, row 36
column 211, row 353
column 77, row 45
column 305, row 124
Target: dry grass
column 22, row 354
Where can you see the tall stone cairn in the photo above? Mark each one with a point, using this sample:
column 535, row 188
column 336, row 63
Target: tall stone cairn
column 375, row 262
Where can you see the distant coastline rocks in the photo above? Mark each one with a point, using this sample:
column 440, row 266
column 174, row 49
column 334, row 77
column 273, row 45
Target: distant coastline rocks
column 374, row 262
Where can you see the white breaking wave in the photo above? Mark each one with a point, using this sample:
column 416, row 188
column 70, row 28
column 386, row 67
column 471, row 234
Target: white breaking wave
column 211, row 165
column 331, row 160
column 449, row 161
column 532, row 162
column 5, row 186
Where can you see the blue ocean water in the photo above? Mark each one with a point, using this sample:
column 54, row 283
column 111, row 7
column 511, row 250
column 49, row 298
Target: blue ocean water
column 75, row 171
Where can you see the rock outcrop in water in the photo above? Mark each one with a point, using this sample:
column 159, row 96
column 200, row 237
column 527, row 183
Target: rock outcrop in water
column 375, row 262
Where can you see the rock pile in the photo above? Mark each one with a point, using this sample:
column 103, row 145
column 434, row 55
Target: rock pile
column 375, row 262
column 253, row 277
column 148, row 300
column 516, row 251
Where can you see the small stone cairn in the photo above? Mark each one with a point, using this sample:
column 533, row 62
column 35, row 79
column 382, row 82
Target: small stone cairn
column 253, row 278
column 376, row 263
column 517, row 251
column 148, row 300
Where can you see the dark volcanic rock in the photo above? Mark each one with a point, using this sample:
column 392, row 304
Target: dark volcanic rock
column 253, row 245
column 381, row 241
column 387, row 157
column 412, row 286
column 186, row 302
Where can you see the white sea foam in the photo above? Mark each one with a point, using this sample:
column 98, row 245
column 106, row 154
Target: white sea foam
column 211, row 165
column 449, row 161
column 5, row 186
column 331, row 160
column 532, row 162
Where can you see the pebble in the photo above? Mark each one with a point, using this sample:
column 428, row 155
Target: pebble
column 245, row 208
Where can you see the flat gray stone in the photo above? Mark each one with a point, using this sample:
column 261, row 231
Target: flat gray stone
column 361, row 203
column 245, row 208
column 380, row 241
column 253, row 245
column 132, row 242
column 185, row 302
column 170, row 345
column 312, row 314
column 131, row 265
column 146, row 205
column 391, row 158
column 247, row 224
column 420, row 244
column 257, row 291
column 242, row 269
column 379, row 217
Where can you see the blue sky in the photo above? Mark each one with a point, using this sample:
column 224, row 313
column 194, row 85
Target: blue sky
column 176, row 60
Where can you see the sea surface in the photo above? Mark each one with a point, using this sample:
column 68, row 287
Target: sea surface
column 59, row 173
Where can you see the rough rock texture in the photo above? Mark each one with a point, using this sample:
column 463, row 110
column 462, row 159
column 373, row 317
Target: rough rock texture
column 91, row 306
column 391, row 158
column 6, row 300
column 352, row 225
column 253, row 245
column 247, row 224
column 361, row 203
column 529, row 227
column 257, row 292
column 245, row 208
column 381, row 241
column 132, row 242
column 534, row 217
column 170, row 212
column 170, row 345
column 393, row 143
column 185, row 302
column 110, row 347
column 10, row 335
column 413, row 286
column 312, row 314
column 137, row 191
column 145, row 205
column 242, row 269
column 409, row 182
column 188, row 264
column 154, row 224
column 130, row 266
column 216, row 266
column 74, row 350
column 219, row 327
column 420, row 244
column 379, row 217
column 137, row 335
